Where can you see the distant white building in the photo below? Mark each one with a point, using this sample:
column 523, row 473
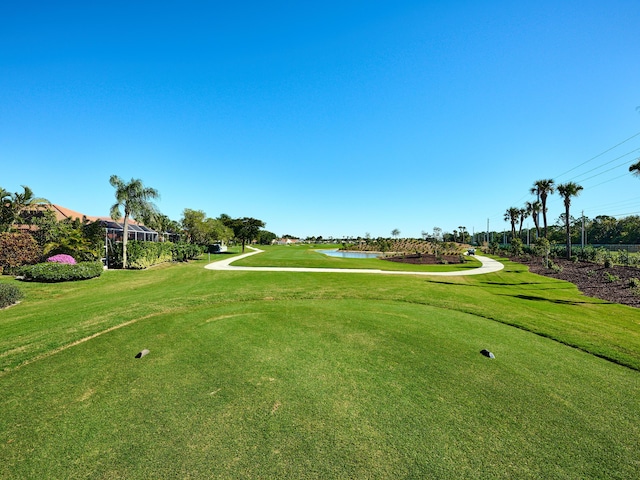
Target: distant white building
column 286, row 241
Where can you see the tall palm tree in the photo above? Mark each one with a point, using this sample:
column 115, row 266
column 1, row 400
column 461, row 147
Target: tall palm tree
column 543, row 188
column 566, row 191
column 512, row 215
column 135, row 199
column 533, row 209
column 524, row 213
column 635, row 168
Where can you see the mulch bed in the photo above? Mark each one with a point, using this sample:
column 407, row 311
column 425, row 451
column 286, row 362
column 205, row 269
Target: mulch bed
column 424, row 259
column 592, row 279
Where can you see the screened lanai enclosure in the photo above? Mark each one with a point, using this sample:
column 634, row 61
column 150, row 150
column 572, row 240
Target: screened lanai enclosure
column 115, row 232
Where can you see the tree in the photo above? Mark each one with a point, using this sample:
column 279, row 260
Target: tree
column 16, row 204
column 135, row 199
column 193, row 223
column 533, row 210
column 566, row 191
column 395, row 232
column 246, row 229
column 512, row 215
column 523, row 215
column 265, row 237
column 435, row 239
column 543, row 188
column 6, row 213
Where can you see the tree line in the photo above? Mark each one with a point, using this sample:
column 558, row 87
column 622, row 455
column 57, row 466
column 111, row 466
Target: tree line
column 601, row 230
column 133, row 201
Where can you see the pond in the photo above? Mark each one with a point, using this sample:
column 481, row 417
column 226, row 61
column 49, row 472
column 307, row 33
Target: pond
column 345, row 254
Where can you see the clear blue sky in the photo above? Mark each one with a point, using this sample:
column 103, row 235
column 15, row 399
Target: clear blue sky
column 323, row 118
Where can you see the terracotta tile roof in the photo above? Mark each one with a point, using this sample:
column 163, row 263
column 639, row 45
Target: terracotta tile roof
column 62, row 213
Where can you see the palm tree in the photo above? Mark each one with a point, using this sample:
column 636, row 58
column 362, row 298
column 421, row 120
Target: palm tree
column 566, row 191
column 524, row 213
column 543, row 188
column 395, row 232
column 17, row 203
column 512, row 215
column 6, row 214
column 635, row 168
column 533, row 210
column 135, row 199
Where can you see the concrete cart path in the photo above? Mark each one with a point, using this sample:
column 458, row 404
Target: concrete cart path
column 488, row 266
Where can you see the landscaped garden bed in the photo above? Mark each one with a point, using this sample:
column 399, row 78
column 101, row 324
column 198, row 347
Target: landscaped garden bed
column 426, row 259
column 618, row 284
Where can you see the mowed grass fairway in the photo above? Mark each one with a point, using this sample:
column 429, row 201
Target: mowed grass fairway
column 317, row 375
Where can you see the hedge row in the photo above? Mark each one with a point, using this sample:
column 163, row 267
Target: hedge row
column 60, row 272
column 142, row 255
column 9, row 294
column 145, row 254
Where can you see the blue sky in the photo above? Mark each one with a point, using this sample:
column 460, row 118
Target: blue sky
column 324, row 118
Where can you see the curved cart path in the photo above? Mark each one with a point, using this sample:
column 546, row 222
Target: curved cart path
column 489, row 265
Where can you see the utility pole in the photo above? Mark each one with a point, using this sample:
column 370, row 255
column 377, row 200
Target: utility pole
column 583, row 236
column 487, row 231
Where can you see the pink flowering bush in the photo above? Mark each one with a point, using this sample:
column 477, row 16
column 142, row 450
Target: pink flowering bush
column 62, row 258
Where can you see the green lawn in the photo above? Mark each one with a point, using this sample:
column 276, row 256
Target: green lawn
column 317, row 375
column 312, row 256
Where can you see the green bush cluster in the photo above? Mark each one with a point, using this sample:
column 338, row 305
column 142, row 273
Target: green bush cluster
column 142, row 255
column 186, row 251
column 146, row 254
column 611, row 278
column 60, row 272
column 554, row 267
column 9, row 294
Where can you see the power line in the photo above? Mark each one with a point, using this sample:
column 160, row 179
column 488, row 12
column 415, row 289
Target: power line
column 604, row 164
column 599, row 155
column 610, row 180
column 501, row 215
column 624, row 203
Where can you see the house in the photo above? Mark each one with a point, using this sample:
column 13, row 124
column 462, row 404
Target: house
column 286, row 241
column 114, row 229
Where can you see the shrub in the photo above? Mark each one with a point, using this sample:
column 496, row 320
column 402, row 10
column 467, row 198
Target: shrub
column 186, row 251
column 611, row 278
column 516, row 247
column 554, row 267
column 142, row 255
column 62, row 258
column 61, row 272
column 17, row 249
column 9, row 294
column 634, row 283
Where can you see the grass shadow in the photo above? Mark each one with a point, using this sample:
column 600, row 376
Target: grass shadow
column 536, row 298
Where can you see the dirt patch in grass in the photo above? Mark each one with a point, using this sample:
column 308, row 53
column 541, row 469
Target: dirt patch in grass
column 613, row 284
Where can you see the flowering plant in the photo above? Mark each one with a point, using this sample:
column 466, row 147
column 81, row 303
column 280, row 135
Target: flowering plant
column 62, row 258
